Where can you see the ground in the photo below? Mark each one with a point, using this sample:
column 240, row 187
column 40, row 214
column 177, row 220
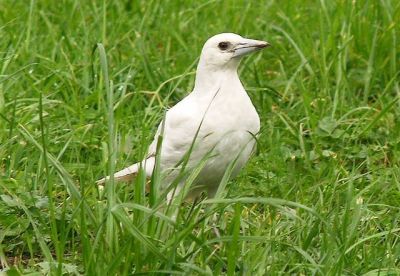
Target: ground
column 83, row 85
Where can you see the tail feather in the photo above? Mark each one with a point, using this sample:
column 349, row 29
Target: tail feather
column 130, row 172
column 121, row 176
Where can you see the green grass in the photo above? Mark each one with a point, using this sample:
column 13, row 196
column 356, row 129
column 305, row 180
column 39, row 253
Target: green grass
column 83, row 84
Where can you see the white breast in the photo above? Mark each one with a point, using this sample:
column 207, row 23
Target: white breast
column 227, row 127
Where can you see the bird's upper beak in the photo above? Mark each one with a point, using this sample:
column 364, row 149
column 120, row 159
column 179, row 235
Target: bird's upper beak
column 247, row 46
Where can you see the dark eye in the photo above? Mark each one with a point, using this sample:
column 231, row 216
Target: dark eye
column 223, row 45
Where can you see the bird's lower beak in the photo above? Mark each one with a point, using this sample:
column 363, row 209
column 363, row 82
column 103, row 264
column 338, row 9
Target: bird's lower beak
column 248, row 46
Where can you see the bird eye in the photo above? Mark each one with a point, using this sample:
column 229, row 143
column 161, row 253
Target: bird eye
column 223, row 45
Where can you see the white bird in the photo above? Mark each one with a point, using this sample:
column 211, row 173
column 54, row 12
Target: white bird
column 216, row 124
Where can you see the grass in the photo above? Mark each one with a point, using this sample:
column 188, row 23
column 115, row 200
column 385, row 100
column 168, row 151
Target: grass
column 83, row 85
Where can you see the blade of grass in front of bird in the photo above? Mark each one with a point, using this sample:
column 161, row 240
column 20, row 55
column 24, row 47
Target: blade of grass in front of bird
column 146, row 210
column 111, row 228
column 233, row 246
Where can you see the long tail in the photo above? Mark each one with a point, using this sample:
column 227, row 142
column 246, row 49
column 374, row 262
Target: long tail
column 130, row 172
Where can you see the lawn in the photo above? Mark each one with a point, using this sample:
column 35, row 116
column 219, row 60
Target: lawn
column 83, row 85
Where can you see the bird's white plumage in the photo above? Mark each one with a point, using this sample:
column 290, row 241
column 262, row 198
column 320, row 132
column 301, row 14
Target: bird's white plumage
column 217, row 118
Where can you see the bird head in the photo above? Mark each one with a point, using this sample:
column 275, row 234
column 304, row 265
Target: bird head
column 225, row 50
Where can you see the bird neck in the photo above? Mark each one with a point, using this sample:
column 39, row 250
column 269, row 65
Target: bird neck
column 210, row 77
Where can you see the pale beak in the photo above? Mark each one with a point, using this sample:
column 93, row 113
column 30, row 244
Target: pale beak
column 247, row 46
